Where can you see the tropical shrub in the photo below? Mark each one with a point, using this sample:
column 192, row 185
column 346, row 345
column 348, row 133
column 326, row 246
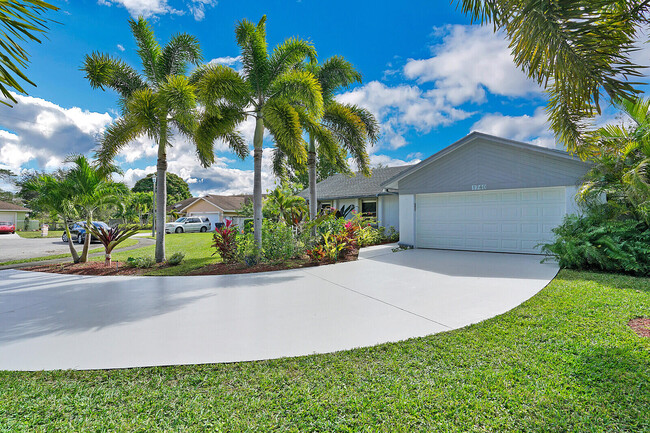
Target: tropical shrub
column 112, row 237
column 278, row 242
column 141, row 262
column 176, row 259
column 224, row 241
column 594, row 242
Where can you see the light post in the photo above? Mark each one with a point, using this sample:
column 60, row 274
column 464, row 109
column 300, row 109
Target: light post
column 153, row 211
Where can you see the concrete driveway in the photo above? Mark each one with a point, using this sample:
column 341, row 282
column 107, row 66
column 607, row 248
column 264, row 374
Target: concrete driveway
column 13, row 247
column 50, row 321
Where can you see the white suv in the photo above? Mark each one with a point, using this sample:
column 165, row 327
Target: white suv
column 189, row 224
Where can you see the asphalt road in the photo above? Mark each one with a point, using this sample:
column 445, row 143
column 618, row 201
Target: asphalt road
column 13, row 247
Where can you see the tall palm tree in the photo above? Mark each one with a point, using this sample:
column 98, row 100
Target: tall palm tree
column 271, row 88
column 578, row 50
column 22, row 21
column 92, row 188
column 57, row 196
column 343, row 129
column 153, row 105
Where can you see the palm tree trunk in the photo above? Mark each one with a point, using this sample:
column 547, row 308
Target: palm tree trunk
column 161, row 198
column 73, row 251
column 84, row 253
column 257, row 179
column 311, row 164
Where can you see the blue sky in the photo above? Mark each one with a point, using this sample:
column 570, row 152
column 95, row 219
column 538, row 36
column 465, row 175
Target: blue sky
column 429, row 76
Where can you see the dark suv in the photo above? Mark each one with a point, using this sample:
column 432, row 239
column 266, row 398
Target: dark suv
column 78, row 231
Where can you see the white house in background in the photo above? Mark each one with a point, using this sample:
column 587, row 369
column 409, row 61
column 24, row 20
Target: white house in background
column 364, row 194
column 13, row 213
column 482, row 193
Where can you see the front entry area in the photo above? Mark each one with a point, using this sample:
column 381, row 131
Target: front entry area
column 512, row 220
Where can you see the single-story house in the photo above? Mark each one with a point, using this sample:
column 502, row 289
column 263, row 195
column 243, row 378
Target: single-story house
column 482, row 193
column 364, row 194
column 13, row 213
column 215, row 207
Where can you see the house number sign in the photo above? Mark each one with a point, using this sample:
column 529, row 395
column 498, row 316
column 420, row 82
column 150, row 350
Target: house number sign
column 479, row 187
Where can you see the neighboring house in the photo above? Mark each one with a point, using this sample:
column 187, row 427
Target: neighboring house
column 13, row 213
column 482, row 193
column 365, row 194
column 215, row 207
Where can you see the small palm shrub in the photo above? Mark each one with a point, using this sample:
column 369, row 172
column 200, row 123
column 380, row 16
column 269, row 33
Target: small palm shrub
column 176, row 259
column 592, row 242
column 224, row 241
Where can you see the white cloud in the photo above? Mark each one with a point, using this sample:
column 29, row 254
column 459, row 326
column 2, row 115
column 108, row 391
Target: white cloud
column 533, row 129
column 469, row 61
column 149, row 8
column 120, row 47
column 387, row 161
column 228, row 60
column 403, row 107
column 47, row 132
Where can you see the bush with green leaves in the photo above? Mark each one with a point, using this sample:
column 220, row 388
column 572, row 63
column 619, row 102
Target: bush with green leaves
column 141, row 262
column 596, row 243
column 176, row 259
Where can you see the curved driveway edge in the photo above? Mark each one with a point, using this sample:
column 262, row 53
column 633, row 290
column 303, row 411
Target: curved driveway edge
column 52, row 321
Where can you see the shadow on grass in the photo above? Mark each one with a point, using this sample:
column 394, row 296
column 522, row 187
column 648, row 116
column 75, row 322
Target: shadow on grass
column 619, row 281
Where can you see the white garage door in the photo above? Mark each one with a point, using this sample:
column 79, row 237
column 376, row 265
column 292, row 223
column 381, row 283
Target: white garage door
column 513, row 220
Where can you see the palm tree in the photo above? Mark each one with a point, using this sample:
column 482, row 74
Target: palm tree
column 578, row 51
column 22, row 21
column 272, row 89
column 57, row 196
column 622, row 159
column 343, row 129
column 290, row 207
column 92, row 189
column 152, row 104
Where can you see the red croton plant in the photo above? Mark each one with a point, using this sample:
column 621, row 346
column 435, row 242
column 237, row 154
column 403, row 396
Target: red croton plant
column 224, row 241
column 112, row 237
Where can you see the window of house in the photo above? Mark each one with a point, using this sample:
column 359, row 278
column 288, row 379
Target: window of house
column 369, row 208
column 325, row 205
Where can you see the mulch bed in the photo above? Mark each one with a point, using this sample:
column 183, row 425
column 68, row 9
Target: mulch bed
column 98, row 268
column 640, row 325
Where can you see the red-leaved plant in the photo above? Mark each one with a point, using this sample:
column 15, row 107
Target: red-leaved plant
column 224, row 241
column 111, row 238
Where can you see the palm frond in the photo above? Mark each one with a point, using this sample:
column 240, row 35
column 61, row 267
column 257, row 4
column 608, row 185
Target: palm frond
column 217, row 83
column 22, row 21
column 299, row 87
column 181, row 49
column 148, row 48
column 288, row 54
column 336, row 73
column 283, row 122
column 103, row 70
column 251, row 39
column 117, row 136
column 219, row 124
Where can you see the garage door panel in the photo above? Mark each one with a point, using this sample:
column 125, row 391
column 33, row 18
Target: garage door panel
column 501, row 221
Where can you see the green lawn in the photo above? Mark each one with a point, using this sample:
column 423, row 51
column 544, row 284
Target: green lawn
column 563, row 361
column 37, row 234
column 79, row 248
column 196, row 247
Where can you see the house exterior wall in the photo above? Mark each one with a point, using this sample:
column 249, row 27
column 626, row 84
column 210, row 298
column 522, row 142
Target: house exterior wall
column 201, row 206
column 486, row 165
column 339, row 203
column 406, row 219
column 388, row 211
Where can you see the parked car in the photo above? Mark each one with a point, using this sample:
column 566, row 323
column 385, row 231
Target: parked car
column 7, row 227
column 78, row 231
column 189, row 224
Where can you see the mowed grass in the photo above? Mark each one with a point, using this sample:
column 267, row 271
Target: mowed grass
column 563, row 361
column 195, row 246
column 91, row 250
column 37, row 234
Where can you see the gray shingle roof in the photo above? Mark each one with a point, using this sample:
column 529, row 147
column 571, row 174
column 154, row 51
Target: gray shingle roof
column 343, row 186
